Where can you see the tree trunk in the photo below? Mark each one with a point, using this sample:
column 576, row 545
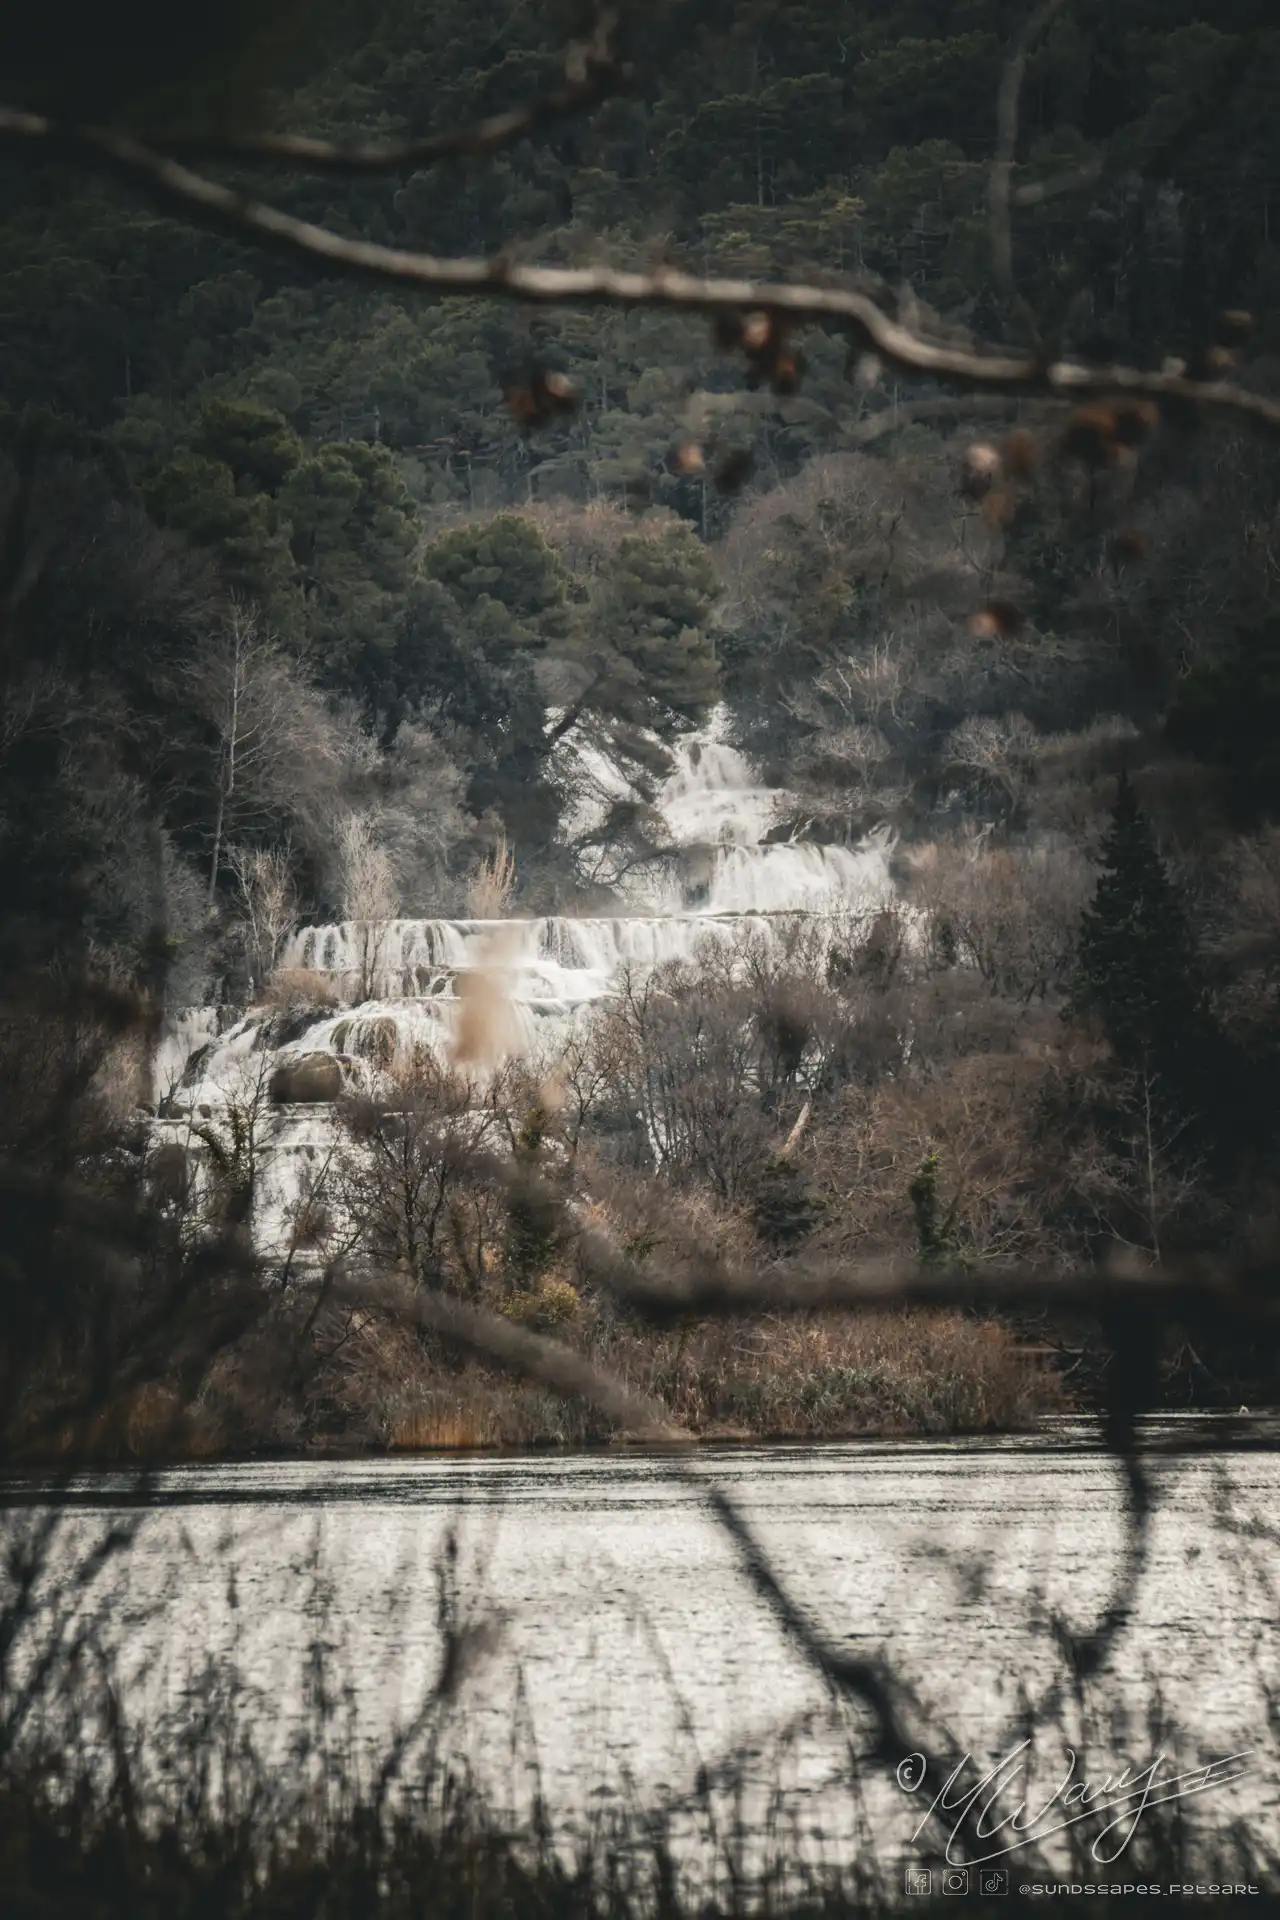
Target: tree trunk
column 217, row 845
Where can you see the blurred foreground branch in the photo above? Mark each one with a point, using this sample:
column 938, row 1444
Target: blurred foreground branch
column 532, row 1356
column 780, row 304
column 593, row 71
column 1243, row 1292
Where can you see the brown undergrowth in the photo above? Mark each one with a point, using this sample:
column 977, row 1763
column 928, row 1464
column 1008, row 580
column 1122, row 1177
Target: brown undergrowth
column 374, row 1383
column 819, row 1378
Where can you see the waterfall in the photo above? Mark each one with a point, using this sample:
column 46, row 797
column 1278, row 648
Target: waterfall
column 722, row 879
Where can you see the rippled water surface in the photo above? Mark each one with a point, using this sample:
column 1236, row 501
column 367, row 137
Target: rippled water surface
column 625, row 1647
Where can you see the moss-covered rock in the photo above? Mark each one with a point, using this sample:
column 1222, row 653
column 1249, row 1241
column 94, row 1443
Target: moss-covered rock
column 306, row 1079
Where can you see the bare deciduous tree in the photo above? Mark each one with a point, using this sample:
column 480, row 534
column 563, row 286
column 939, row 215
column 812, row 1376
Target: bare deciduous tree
column 366, row 888
column 1133, row 1174
column 415, row 1177
column 269, row 905
column 275, row 746
column 493, row 882
column 1012, row 913
column 979, row 1120
column 997, row 753
column 714, row 1059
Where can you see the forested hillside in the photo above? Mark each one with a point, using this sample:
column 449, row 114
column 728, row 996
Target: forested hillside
column 308, row 579
column 346, row 460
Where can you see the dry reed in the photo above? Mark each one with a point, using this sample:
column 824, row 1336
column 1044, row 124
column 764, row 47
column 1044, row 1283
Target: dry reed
column 293, row 987
column 493, row 883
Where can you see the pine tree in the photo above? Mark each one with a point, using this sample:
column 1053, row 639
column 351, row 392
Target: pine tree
column 658, row 665
column 934, row 1245
column 534, row 1229
column 785, row 1210
column 1137, row 969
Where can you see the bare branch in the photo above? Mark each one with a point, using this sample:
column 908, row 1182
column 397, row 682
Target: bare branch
column 992, row 370
column 1007, row 102
column 1229, row 1291
column 593, row 72
column 530, row 1355
column 1035, row 192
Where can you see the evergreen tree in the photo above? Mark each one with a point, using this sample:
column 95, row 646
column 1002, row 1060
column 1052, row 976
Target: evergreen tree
column 785, row 1210
column 651, row 645
column 535, row 1208
column 355, row 542
column 1137, row 969
column 933, row 1239
column 1226, row 710
column 504, row 564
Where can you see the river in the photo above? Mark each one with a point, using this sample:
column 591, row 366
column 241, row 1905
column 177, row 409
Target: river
column 617, row 1646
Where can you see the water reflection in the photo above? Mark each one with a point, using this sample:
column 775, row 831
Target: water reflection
column 622, row 1651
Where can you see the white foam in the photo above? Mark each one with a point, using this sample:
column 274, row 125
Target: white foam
column 724, row 881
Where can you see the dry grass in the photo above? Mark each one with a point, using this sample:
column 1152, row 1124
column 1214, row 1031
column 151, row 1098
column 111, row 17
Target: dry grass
column 374, row 1382
column 884, row 1373
column 371, row 1381
column 443, row 1420
column 122, row 1083
column 290, row 988
column 493, row 884
column 148, row 1422
column 552, row 1303
column 822, row 1377
column 477, row 1408
column 819, row 1378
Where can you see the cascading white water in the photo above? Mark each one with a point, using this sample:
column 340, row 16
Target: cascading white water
column 404, row 983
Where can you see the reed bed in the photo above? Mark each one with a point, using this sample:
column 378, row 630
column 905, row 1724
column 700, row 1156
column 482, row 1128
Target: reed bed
column 820, row 1377
column 103, row 1819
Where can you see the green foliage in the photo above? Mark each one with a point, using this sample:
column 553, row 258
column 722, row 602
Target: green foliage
column 535, row 1207
column 308, row 439
column 255, row 443
column 198, row 497
column 823, row 226
column 326, row 540
column 748, row 147
column 505, row 564
column 934, row 1246
column 785, row 1210
column 354, row 539
column 88, row 861
column 844, row 139
column 494, row 597
column 148, row 59
column 658, row 664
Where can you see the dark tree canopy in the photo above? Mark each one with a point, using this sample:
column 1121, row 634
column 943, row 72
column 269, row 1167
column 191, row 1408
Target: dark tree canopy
column 1227, row 711
column 1138, row 972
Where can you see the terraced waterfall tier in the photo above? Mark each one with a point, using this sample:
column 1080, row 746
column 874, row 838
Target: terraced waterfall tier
column 406, row 983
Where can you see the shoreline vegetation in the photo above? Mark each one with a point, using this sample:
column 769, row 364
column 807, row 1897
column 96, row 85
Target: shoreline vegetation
column 516, row 1191
column 883, row 1376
